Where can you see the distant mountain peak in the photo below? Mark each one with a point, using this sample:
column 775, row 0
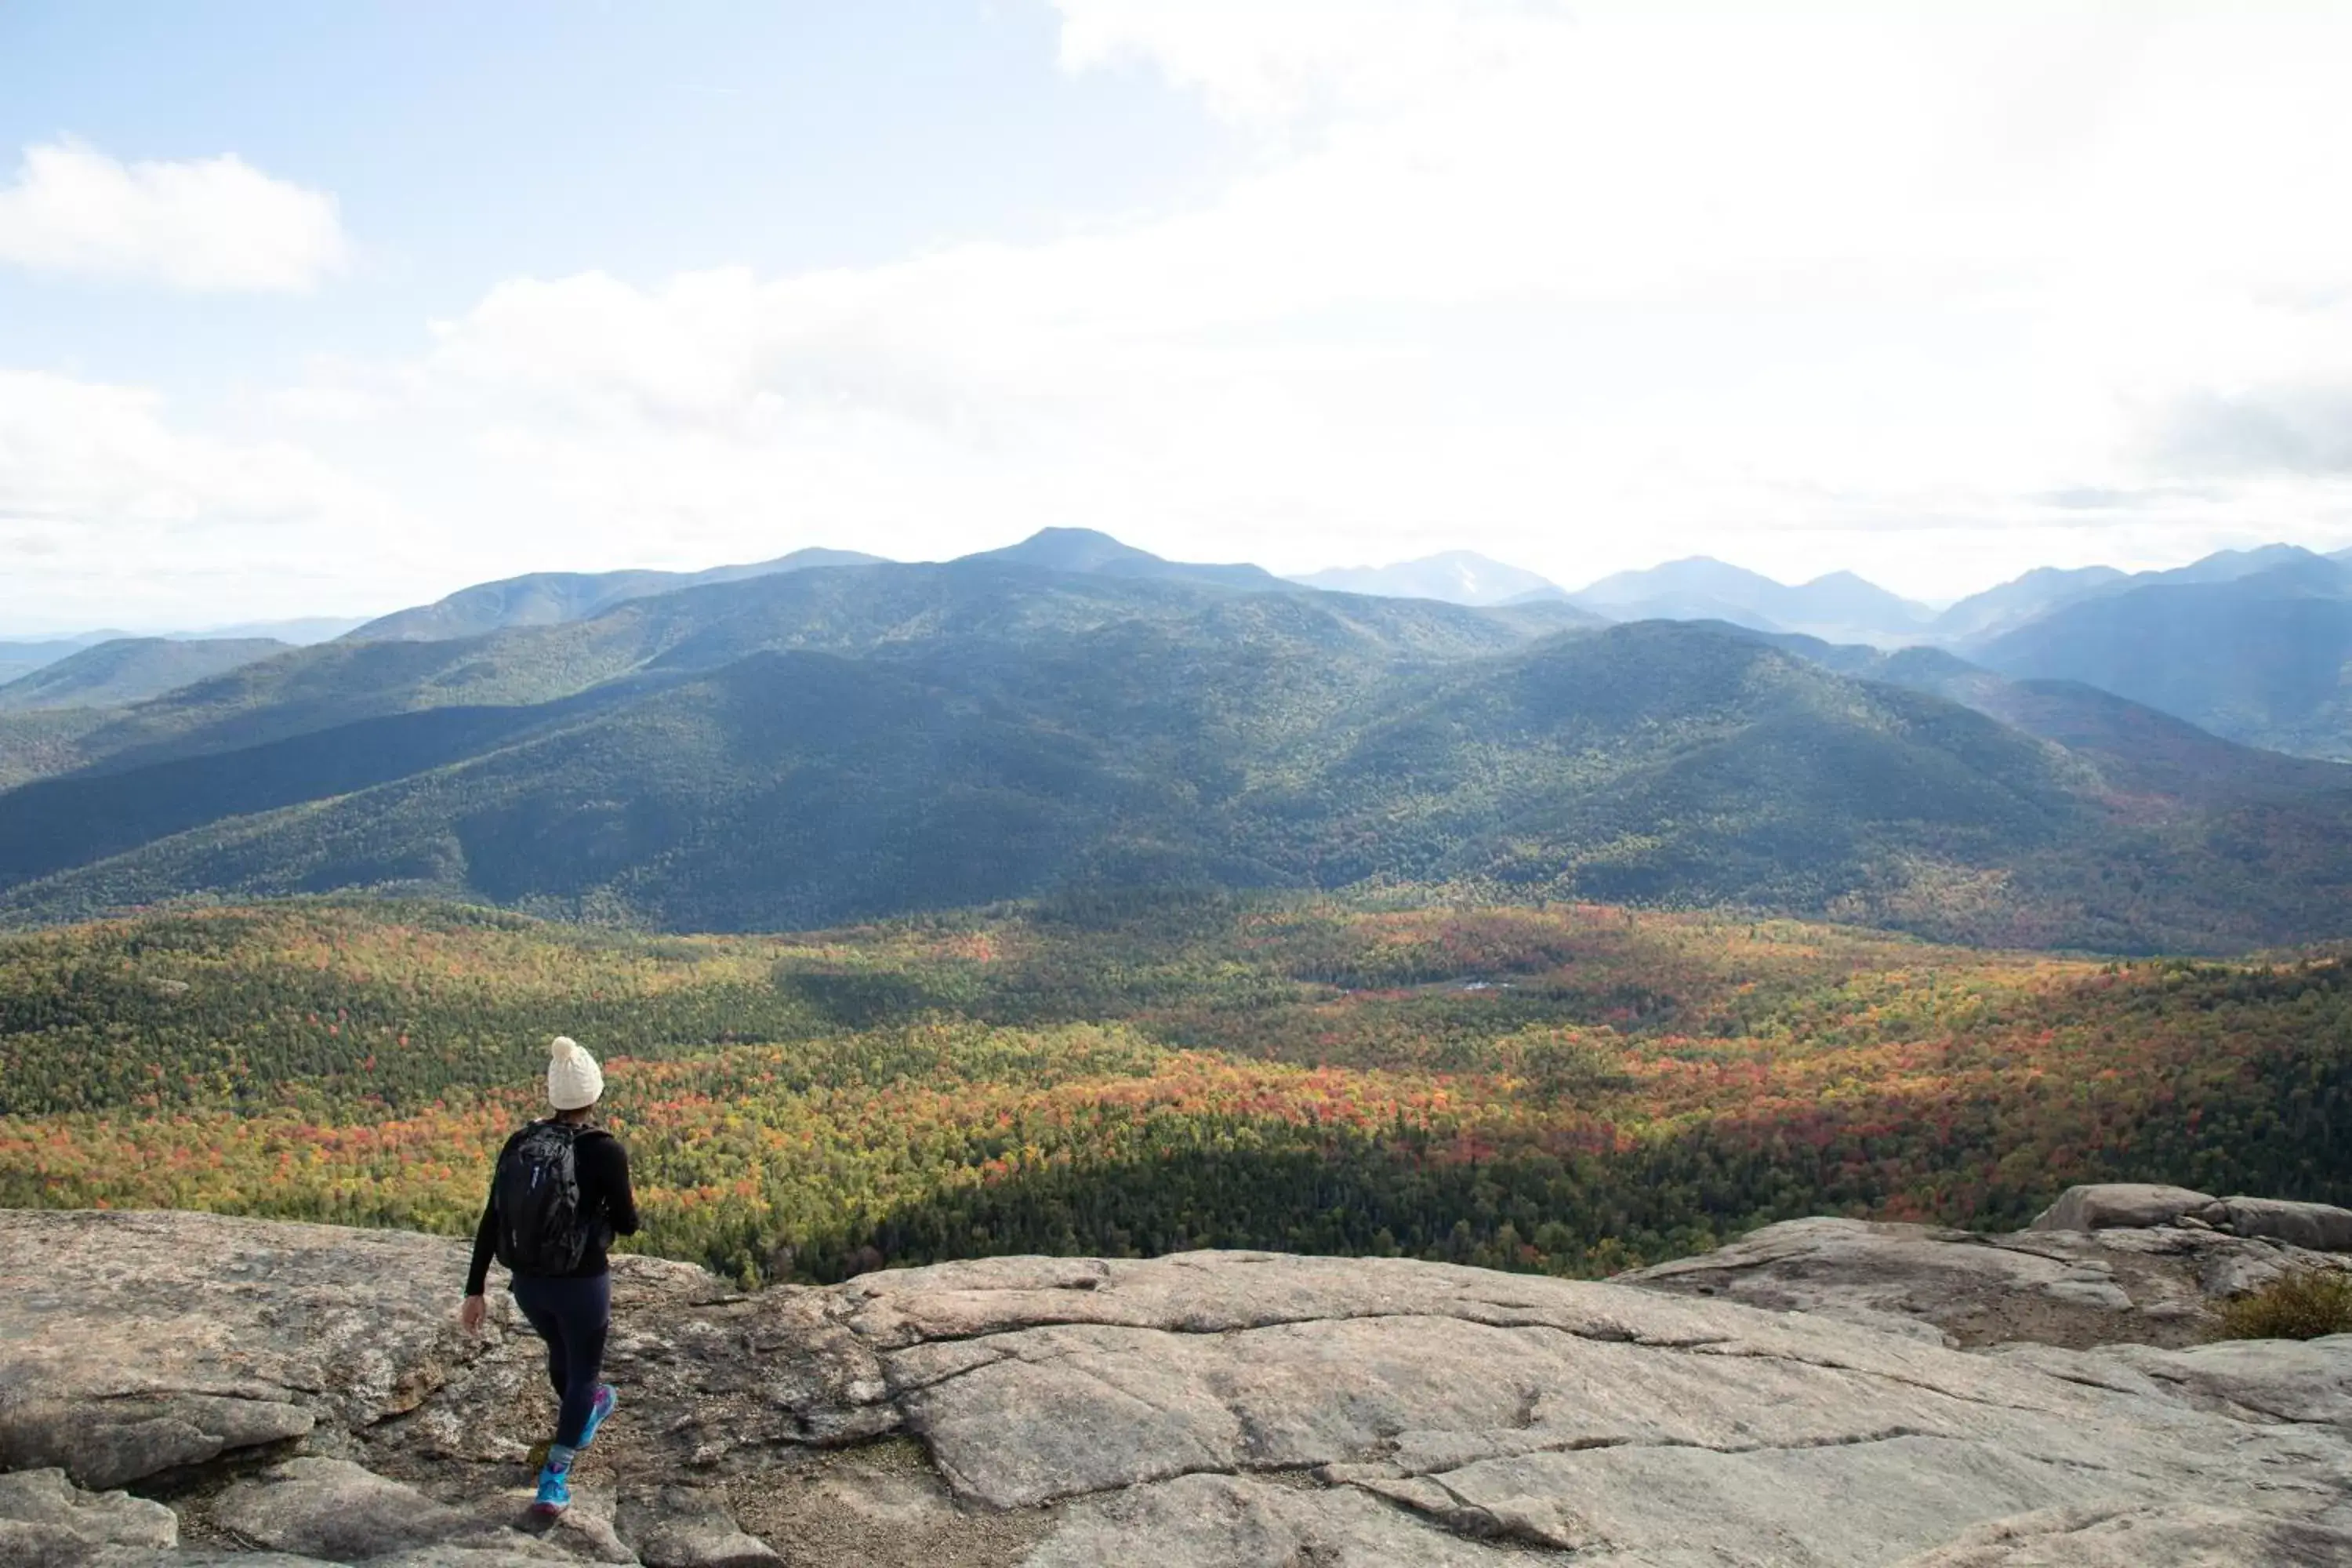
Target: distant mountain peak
column 2258, row 557
column 2021, row 598
column 1688, row 573
column 1068, row 550
column 1454, row 576
column 1700, row 587
column 2275, row 563
column 1092, row 551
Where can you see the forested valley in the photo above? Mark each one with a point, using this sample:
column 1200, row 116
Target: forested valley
column 1567, row 1088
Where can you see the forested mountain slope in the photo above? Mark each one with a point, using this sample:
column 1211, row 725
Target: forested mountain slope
column 2165, row 763
column 1975, row 621
column 131, row 670
column 843, row 610
column 977, row 733
column 550, row 599
column 1091, row 551
column 2262, row 659
column 21, row 657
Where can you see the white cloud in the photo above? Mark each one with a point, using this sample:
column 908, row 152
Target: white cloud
column 117, row 517
column 2266, row 430
column 1808, row 289
column 1892, row 290
column 208, row 224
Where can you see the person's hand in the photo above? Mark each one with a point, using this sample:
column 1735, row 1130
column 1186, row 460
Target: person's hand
column 470, row 1315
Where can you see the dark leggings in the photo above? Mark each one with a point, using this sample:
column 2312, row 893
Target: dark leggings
column 572, row 1316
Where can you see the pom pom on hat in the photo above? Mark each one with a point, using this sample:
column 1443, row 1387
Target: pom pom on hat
column 575, row 1081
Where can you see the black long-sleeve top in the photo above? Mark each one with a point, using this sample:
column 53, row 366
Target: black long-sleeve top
column 604, row 1200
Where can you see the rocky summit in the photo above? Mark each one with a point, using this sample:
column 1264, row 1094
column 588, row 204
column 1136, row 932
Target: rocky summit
column 182, row 1389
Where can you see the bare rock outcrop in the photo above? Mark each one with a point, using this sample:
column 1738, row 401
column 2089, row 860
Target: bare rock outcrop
column 2133, row 1205
column 2128, row 1205
column 688, row 1527
column 46, row 1519
column 2317, row 1227
column 343, row 1512
column 1226, row 1408
column 2141, row 1538
column 134, row 1346
column 2155, row 1280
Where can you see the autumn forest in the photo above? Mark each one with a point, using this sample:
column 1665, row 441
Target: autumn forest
column 1573, row 1087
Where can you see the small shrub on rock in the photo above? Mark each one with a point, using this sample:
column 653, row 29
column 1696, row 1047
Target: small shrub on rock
column 2304, row 1305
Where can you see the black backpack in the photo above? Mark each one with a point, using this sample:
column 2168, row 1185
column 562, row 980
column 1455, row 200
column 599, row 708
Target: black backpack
column 540, row 1228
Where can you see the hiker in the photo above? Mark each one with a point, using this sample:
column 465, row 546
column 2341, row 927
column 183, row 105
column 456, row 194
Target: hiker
column 559, row 1194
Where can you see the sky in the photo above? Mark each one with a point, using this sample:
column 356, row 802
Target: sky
column 313, row 310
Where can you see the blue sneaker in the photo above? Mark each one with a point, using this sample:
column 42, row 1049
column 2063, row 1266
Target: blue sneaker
column 554, row 1489
column 606, row 1402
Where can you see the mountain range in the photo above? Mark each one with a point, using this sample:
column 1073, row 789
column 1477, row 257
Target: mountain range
column 2253, row 645
column 1700, row 588
column 2019, row 600
column 2262, row 655
column 829, row 742
column 2250, row 643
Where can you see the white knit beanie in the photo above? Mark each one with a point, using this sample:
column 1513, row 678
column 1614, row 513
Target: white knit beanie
column 575, row 1081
